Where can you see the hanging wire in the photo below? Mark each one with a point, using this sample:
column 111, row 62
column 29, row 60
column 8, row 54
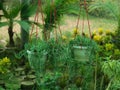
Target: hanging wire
column 33, row 25
column 37, row 27
column 36, row 18
column 55, row 11
column 83, row 24
column 40, row 5
column 86, row 9
column 78, row 21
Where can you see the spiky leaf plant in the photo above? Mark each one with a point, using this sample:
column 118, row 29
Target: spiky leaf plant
column 53, row 12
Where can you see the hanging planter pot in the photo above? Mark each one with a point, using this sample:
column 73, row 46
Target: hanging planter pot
column 81, row 53
column 83, row 48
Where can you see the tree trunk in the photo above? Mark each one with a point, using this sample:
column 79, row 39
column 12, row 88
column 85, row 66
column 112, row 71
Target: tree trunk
column 11, row 33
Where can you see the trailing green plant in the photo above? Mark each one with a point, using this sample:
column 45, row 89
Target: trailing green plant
column 91, row 50
column 45, row 57
column 54, row 66
column 58, row 52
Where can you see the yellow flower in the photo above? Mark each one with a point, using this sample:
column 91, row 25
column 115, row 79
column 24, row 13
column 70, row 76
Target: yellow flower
column 76, row 32
column 64, row 37
column 108, row 32
column 100, row 31
column 97, row 38
column 94, row 32
column 6, row 60
column 109, row 46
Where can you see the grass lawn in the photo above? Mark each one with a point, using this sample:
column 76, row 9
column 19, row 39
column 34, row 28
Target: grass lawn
column 69, row 22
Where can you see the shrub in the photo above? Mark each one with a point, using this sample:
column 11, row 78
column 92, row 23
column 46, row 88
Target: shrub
column 4, row 65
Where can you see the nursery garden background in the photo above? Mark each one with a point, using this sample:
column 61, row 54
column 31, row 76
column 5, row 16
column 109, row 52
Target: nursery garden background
column 59, row 44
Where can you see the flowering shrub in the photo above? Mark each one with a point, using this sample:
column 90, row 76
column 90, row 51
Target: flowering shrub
column 105, row 40
column 67, row 37
column 76, row 32
column 100, row 31
column 4, row 65
column 108, row 46
column 97, row 38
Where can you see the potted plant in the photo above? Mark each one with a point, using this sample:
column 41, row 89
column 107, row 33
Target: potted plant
column 83, row 48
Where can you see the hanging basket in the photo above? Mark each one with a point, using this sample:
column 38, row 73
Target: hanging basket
column 36, row 60
column 81, row 53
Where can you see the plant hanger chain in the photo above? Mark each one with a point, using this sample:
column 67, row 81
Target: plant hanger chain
column 83, row 22
column 55, row 13
column 36, row 18
column 86, row 9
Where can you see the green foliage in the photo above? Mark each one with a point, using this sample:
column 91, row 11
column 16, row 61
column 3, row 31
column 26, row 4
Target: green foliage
column 31, row 9
column 45, row 56
column 54, row 11
column 11, row 83
column 1, row 88
column 3, row 24
column 54, row 66
column 25, row 25
column 105, row 9
column 111, row 69
column 116, row 38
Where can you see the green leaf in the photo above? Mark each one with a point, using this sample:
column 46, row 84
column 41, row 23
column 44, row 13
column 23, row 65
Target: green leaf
column 3, row 24
column 14, row 11
column 29, row 10
column 24, row 24
column 1, row 88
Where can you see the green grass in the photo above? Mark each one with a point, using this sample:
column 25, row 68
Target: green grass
column 70, row 22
